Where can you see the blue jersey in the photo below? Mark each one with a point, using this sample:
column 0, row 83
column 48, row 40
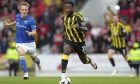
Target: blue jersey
column 23, row 25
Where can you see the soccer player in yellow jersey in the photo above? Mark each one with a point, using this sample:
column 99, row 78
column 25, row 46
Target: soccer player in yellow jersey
column 118, row 38
column 74, row 28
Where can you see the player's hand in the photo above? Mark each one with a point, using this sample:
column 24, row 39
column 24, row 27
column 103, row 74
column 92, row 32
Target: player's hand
column 109, row 39
column 115, row 34
column 29, row 33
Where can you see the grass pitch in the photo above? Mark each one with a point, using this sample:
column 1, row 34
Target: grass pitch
column 75, row 80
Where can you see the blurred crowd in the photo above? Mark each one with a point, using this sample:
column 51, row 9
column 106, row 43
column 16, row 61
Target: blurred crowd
column 47, row 14
column 50, row 27
column 129, row 13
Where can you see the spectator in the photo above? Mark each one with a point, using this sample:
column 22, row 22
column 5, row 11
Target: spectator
column 96, row 38
column 57, row 40
column 124, row 8
column 135, row 57
column 4, row 45
column 137, row 14
column 104, row 35
column 137, row 2
column 136, row 28
column 13, row 59
column 89, row 44
column 132, row 10
column 43, row 32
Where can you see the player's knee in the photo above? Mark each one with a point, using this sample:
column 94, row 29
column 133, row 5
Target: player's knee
column 33, row 54
column 84, row 58
column 21, row 51
column 35, row 58
column 109, row 54
column 21, row 54
column 66, row 51
column 125, row 58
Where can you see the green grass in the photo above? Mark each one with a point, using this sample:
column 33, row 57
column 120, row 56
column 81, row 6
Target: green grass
column 75, row 80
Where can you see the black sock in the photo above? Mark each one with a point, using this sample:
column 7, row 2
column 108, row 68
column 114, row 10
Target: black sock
column 64, row 65
column 129, row 63
column 137, row 71
column 112, row 62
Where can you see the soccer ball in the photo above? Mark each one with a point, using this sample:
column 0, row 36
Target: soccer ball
column 65, row 81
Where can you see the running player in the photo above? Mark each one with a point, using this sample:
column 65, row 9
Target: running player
column 118, row 39
column 74, row 28
column 25, row 33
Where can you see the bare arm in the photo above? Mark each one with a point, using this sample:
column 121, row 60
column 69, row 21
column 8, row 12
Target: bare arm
column 9, row 23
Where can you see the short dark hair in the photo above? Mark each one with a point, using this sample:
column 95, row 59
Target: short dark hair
column 70, row 2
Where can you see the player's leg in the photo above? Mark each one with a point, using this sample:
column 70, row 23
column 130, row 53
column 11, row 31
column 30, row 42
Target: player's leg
column 136, row 67
column 35, row 59
column 15, row 69
column 110, row 54
column 123, row 51
column 66, row 51
column 87, row 60
column 31, row 48
column 22, row 53
column 10, row 69
column 81, row 51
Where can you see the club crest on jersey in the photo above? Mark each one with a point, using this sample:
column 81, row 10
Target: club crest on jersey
column 20, row 26
column 25, row 21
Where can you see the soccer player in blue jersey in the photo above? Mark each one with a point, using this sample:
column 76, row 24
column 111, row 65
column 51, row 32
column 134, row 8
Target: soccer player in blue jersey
column 25, row 33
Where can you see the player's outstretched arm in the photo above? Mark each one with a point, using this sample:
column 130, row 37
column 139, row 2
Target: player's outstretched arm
column 9, row 23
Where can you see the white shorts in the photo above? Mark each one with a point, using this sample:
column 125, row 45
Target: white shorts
column 28, row 47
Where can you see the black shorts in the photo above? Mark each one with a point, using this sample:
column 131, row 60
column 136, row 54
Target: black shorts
column 123, row 51
column 78, row 47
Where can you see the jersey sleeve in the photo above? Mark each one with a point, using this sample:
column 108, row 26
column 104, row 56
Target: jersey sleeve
column 80, row 18
column 33, row 24
column 80, row 21
column 109, row 28
column 123, row 32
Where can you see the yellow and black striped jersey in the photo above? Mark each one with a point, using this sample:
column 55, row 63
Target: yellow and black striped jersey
column 71, row 32
column 118, row 35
